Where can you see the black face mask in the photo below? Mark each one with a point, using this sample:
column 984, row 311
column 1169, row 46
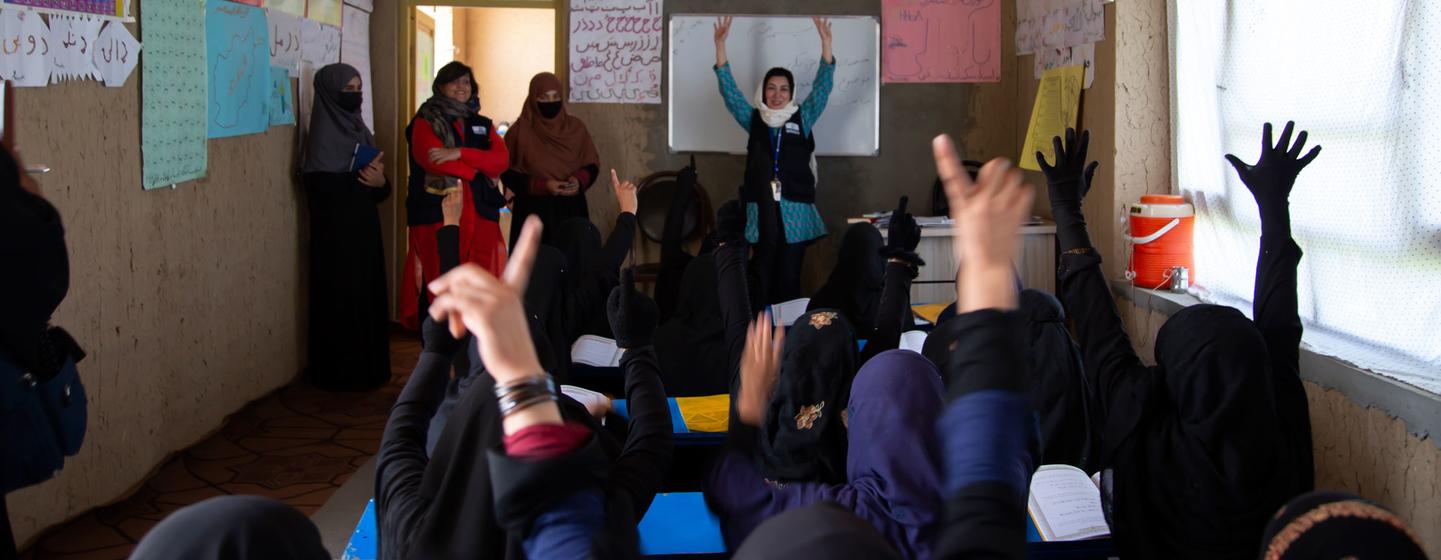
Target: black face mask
column 549, row 109
column 349, row 100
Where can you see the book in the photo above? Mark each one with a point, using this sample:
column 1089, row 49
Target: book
column 1065, row 504
column 913, row 340
column 595, row 351
column 362, row 156
column 785, row 313
column 930, row 312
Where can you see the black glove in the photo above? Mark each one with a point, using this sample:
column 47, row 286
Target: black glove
column 633, row 315
column 436, row 337
column 730, row 222
column 1067, row 183
column 903, row 236
column 1271, row 179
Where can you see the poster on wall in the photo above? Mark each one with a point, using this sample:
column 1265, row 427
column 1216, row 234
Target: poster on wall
column 319, row 46
column 355, row 51
column 1058, row 23
column 71, row 38
column 172, row 93
column 238, row 69
column 293, row 7
column 284, row 40
column 1058, row 102
column 115, row 55
column 282, row 100
column 1084, row 55
column 323, row 11
column 25, row 60
column 946, row 41
column 117, row 8
column 615, row 51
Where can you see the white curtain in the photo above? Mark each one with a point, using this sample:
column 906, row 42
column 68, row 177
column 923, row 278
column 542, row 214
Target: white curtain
column 1364, row 78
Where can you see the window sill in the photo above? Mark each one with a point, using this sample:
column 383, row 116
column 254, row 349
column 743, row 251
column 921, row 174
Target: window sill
column 1420, row 409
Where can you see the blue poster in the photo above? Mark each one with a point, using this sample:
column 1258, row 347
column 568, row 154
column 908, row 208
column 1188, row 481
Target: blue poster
column 172, row 93
column 282, row 99
column 237, row 50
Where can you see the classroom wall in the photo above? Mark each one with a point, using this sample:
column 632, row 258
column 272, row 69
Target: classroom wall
column 632, row 138
column 190, row 302
column 505, row 47
column 1357, row 448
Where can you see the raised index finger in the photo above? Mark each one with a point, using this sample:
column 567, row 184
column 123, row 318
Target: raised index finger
column 517, row 271
column 951, row 172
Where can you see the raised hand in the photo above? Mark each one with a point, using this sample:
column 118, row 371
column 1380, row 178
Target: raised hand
column 988, row 215
column 823, row 28
column 1069, row 178
column 625, row 193
column 633, row 315
column 451, row 207
column 722, row 29
column 1271, row 178
column 903, row 236
column 730, row 222
column 760, row 368
column 472, row 299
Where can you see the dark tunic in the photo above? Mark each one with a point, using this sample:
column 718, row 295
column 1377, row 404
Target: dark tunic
column 349, row 325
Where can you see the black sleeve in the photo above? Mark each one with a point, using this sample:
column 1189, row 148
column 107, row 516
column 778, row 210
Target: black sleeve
column 1113, row 370
column 735, row 305
column 447, row 243
column 616, row 248
column 379, row 194
column 636, row 475
column 523, row 489
column 985, row 515
column 400, row 464
column 1276, row 316
column 673, row 258
column 517, row 182
column 894, row 313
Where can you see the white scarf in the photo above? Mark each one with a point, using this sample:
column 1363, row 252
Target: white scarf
column 774, row 118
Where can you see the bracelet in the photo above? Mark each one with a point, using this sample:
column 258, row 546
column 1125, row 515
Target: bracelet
column 524, row 393
column 1078, row 251
column 542, row 382
column 522, row 402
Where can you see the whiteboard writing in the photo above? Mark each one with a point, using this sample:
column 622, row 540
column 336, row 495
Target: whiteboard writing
column 615, row 51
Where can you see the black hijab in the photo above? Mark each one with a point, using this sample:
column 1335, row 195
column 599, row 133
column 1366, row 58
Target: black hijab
column 545, row 303
column 803, row 437
column 233, row 528
column 691, row 344
column 855, row 284
column 32, row 242
column 1330, row 525
column 1060, row 393
column 587, row 282
column 824, row 530
column 1200, row 457
column 461, row 519
column 334, row 131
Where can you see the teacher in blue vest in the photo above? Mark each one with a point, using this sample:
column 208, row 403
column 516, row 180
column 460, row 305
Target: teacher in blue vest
column 780, row 182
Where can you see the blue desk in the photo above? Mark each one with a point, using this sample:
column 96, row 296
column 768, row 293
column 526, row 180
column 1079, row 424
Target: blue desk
column 680, row 433
column 679, row 523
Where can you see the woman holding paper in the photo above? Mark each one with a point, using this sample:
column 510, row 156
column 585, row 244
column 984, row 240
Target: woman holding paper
column 452, row 149
column 780, row 182
column 349, row 317
column 553, row 160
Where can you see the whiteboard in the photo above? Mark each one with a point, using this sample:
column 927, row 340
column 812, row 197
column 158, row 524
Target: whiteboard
column 699, row 122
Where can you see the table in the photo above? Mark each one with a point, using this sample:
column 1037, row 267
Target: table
column 1035, row 261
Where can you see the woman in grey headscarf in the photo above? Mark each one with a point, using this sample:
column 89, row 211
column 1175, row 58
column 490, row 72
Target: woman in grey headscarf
column 349, row 329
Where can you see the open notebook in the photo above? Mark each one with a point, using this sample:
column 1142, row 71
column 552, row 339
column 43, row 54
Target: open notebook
column 595, row 351
column 1065, row 504
column 785, row 313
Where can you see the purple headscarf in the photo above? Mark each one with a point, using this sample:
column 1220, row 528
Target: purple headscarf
column 892, row 468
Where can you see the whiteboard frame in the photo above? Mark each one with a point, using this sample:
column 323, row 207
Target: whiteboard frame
column 670, row 82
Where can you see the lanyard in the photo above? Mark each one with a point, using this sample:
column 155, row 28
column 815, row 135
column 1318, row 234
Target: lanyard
column 776, row 157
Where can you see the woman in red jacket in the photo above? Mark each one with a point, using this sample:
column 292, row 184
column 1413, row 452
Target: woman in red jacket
column 452, row 147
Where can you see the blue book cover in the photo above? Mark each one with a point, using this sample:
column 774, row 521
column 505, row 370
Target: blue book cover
column 363, row 156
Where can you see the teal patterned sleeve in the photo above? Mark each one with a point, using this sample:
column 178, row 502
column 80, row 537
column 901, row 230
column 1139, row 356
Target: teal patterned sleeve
column 735, row 100
column 815, row 103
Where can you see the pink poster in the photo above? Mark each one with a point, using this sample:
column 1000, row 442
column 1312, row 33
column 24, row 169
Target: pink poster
column 940, row 41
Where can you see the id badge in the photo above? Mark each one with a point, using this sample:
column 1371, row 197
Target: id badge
column 776, row 189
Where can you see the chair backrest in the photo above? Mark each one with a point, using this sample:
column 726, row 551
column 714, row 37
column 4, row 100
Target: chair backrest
column 656, row 192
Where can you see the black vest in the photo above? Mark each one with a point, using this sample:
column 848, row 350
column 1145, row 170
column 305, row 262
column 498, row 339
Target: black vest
column 798, row 183
column 423, row 208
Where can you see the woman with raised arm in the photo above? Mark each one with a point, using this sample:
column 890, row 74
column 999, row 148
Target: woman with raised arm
column 780, row 185
column 1200, row 449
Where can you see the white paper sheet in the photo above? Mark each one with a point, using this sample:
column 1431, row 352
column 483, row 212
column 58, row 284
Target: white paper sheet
column 355, row 51
column 115, row 55
column 1069, row 504
column 595, row 351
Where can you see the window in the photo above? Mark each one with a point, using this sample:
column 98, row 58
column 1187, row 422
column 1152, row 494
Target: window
column 1365, row 81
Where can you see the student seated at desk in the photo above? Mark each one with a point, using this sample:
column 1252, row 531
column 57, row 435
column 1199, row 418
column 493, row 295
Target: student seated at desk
column 1204, row 446
column 871, row 282
column 442, row 506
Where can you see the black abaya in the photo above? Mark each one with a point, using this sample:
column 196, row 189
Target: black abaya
column 349, row 329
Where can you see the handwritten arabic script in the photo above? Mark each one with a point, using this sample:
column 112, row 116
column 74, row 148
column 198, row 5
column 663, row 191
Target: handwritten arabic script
column 941, row 41
column 615, row 51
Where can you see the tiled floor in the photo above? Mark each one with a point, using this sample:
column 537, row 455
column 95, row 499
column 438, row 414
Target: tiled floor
column 297, row 445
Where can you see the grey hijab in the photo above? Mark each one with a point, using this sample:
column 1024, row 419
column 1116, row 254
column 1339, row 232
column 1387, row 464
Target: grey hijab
column 334, row 132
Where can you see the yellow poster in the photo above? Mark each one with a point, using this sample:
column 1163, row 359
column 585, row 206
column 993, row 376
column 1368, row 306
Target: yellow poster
column 324, row 11
column 1057, row 102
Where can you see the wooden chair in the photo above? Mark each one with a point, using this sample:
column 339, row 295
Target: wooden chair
column 656, row 193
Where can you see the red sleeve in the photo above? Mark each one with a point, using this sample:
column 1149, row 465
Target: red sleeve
column 544, row 441
column 584, row 178
column 422, row 140
column 491, row 162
